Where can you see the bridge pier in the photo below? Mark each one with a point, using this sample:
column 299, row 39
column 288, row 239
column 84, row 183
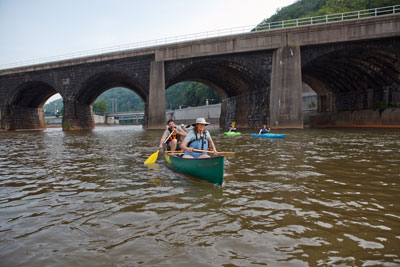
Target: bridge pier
column 286, row 102
column 156, row 104
column 14, row 117
column 5, row 118
column 77, row 116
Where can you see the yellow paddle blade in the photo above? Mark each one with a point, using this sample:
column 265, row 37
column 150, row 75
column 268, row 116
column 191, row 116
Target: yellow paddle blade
column 233, row 124
column 152, row 158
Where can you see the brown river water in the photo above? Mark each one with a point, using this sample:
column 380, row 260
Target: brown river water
column 318, row 197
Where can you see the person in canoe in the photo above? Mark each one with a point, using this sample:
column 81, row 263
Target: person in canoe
column 264, row 130
column 198, row 138
column 174, row 134
column 185, row 127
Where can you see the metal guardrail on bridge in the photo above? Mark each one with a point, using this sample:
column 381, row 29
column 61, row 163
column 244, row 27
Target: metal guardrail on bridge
column 264, row 26
column 329, row 18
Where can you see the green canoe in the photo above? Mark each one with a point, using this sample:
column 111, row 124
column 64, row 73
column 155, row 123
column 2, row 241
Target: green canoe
column 209, row 169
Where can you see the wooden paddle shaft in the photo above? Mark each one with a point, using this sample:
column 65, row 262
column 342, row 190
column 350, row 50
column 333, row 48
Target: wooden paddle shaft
column 204, row 151
column 166, row 139
column 221, row 153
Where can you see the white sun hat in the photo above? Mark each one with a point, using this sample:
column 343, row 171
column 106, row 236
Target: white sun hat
column 200, row 121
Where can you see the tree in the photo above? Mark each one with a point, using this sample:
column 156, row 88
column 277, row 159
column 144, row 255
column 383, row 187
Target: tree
column 190, row 94
column 100, row 107
column 124, row 100
column 311, row 8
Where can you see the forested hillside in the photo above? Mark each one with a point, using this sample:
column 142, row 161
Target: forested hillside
column 310, row 8
column 190, row 94
column 120, row 100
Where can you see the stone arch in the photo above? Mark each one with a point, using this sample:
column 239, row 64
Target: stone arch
column 353, row 76
column 239, row 83
column 78, row 112
column 31, row 94
column 228, row 77
column 101, row 82
column 25, row 105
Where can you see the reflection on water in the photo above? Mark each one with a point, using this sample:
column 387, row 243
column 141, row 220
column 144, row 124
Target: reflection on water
column 318, row 197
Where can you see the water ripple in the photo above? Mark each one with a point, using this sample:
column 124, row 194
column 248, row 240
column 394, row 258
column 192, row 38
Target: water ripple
column 318, row 197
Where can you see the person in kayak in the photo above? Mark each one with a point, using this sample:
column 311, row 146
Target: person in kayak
column 198, row 138
column 264, row 130
column 232, row 129
column 174, row 134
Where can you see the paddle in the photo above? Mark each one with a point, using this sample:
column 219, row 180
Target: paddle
column 219, row 153
column 153, row 157
column 174, row 152
column 233, row 126
column 197, row 150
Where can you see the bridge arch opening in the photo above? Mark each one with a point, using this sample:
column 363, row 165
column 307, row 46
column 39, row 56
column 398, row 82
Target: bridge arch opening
column 310, row 103
column 191, row 94
column 53, row 110
column 25, row 106
column 119, row 105
column 359, row 80
column 237, row 84
column 111, row 92
column 93, row 87
column 188, row 100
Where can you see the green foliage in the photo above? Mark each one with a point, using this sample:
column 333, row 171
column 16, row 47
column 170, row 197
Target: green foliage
column 311, row 8
column 54, row 106
column 184, row 94
column 121, row 99
column 65, row 124
column 380, row 104
column 340, row 6
column 301, row 8
column 100, row 107
column 190, row 94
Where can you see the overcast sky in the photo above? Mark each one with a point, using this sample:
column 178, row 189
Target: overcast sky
column 37, row 29
column 34, row 29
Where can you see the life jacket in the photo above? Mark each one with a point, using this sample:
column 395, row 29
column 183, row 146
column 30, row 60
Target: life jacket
column 173, row 136
column 264, row 131
column 200, row 141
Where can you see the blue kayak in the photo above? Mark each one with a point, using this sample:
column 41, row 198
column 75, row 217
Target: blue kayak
column 270, row 135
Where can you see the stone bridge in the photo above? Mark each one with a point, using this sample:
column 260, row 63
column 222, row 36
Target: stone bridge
column 353, row 66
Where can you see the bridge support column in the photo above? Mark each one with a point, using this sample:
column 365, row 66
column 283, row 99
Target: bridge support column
column 156, row 103
column 77, row 116
column 6, row 120
column 286, row 104
column 21, row 118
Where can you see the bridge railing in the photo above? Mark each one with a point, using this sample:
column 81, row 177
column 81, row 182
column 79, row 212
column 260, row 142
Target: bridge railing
column 264, row 26
column 373, row 12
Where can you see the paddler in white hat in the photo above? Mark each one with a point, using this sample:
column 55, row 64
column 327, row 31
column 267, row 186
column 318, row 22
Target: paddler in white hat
column 198, row 138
